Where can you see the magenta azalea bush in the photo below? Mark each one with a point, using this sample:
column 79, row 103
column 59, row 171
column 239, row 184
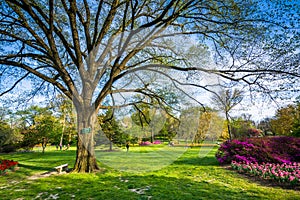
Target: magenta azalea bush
column 146, row 143
column 282, row 173
column 260, row 150
column 157, row 142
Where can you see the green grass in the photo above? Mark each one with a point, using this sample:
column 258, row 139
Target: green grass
column 192, row 175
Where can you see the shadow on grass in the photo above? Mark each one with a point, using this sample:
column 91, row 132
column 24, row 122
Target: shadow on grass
column 198, row 157
column 35, row 168
column 206, row 161
column 128, row 186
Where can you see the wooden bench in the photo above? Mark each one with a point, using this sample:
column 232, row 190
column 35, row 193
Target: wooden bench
column 61, row 168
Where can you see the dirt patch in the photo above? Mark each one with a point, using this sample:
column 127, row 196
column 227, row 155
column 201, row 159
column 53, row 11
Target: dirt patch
column 44, row 175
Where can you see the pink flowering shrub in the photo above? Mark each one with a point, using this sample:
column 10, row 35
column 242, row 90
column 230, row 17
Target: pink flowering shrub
column 145, row 143
column 157, row 142
column 260, row 150
column 282, row 173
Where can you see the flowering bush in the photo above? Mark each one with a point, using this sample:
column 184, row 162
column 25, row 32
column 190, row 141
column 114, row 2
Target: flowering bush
column 282, row 173
column 145, row 143
column 157, row 142
column 6, row 165
column 235, row 150
column 149, row 143
column 260, row 150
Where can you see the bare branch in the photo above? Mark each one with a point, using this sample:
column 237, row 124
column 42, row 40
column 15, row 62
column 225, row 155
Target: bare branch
column 38, row 74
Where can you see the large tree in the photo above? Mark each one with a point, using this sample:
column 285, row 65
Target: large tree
column 39, row 126
column 63, row 107
column 94, row 51
column 47, row 128
column 225, row 100
column 286, row 120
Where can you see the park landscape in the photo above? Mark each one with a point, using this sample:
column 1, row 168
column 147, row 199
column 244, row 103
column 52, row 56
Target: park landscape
column 191, row 176
column 168, row 99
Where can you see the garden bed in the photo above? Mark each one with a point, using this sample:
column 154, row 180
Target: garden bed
column 271, row 160
column 262, row 181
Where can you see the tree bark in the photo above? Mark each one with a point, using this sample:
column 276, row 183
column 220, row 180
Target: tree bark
column 228, row 126
column 110, row 145
column 85, row 157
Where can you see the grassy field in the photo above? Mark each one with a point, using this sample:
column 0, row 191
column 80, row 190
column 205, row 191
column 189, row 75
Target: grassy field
column 143, row 173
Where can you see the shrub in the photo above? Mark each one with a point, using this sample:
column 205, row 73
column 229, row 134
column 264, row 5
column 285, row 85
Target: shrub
column 146, row 143
column 157, row 142
column 267, row 149
column 7, row 148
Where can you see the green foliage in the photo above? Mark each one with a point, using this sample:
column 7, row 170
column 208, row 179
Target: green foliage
column 64, row 109
column 240, row 127
column 210, row 126
column 41, row 127
column 111, row 129
column 169, row 129
column 48, row 129
column 5, row 133
column 287, row 120
column 9, row 135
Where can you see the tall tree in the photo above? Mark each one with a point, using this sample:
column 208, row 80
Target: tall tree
column 150, row 118
column 47, row 129
column 111, row 129
column 64, row 109
column 241, row 127
column 284, row 119
column 210, row 126
column 38, row 126
column 225, row 101
column 94, row 51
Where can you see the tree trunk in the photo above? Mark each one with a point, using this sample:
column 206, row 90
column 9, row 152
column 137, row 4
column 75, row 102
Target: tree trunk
column 62, row 132
column 85, row 157
column 44, row 144
column 228, row 126
column 110, row 145
column 152, row 136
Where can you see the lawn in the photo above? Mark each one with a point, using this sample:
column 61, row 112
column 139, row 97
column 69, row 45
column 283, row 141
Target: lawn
column 142, row 173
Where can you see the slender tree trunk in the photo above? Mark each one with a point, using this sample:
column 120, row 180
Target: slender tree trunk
column 228, row 126
column 152, row 136
column 85, row 158
column 44, row 144
column 62, row 131
column 110, row 144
